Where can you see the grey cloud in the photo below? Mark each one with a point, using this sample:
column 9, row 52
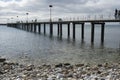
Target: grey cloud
column 6, row 0
column 66, row 1
column 73, row 6
column 9, row 0
column 60, row 7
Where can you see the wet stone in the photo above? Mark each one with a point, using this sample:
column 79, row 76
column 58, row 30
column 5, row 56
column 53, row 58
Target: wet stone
column 70, row 75
column 59, row 76
column 59, row 65
column 29, row 68
column 99, row 72
column 102, row 79
column 99, row 65
column 79, row 65
column 1, row 73
column 61, row 71
column 2, row 59
column 67, row 64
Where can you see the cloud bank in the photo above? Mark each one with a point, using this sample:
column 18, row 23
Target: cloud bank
column 61, row 8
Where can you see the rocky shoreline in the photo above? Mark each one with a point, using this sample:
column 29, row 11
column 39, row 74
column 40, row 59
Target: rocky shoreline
column 61, row 71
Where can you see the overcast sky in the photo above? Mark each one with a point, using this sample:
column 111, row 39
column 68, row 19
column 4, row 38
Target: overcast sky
column 61, row 8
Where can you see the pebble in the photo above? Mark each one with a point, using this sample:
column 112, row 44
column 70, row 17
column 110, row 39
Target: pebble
column 59, row 76
column 2, row 59
column 61, row 71
column 59, row 65
column 18, row 79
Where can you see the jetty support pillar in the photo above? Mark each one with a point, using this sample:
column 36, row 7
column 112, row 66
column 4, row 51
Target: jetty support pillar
column 92, row 32
column 73, row 31
column 102, row 32
column 68, row 30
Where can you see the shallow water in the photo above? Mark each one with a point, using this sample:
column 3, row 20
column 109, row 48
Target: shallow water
column 22, row 46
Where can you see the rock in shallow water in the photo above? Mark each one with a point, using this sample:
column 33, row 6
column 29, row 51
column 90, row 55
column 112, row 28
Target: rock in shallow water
column 2, row 59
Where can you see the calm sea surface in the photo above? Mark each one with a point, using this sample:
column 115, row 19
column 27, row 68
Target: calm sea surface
column 22, row 46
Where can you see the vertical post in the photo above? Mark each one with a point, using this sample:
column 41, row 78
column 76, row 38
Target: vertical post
column 58, row 29
column 61, row 30
column 22, row 26
column 44, row 28
column 39, row 28
column 50, row 12
column 31, row 27
column 51, row 29
column 34, row 27
column 68, row 30
column 51, row 25
column 92, row 32
column 18, row 25
column 73, row 31
column 102, row 32
column 82, row 31
column 27, row 27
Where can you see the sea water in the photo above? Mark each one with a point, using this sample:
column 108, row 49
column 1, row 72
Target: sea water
column 23, row 46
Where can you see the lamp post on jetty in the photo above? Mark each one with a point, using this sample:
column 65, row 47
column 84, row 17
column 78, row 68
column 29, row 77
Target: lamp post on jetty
column 50, row 12
column 27, row 16
column 51, row 27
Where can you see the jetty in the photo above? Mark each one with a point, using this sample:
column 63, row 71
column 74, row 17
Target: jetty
column 3, row 24
column 36, row 27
